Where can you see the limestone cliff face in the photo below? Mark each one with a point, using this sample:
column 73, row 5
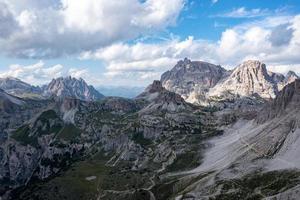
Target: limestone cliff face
column 161, row 100
column 198, row 81
column 249, row 78
column 19, row 88
column 192, row 79
column 72, row 87
column 286, row 102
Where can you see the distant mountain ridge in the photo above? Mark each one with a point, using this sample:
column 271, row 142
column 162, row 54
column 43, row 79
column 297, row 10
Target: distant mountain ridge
column 197, row 81
column 72, row 87
column 17, row 87
column 157, row 144
column 120, row 91
column 60, row 87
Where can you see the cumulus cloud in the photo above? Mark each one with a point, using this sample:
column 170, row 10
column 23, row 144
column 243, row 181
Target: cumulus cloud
column 99, row 29
column 143, row 62
column 53, row 28
column 281, row 35
column 39, row 73
column 8, row 24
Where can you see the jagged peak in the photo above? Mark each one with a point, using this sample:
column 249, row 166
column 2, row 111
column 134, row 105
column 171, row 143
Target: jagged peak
column 68, row 78
column 187, row 62
column 253, row 64
column 291, row 74
column 287, row 100
column 156, row 92
column 255, row 67
column 161, row 100
column 72, row 87
column 156, row 86
column 152, row 91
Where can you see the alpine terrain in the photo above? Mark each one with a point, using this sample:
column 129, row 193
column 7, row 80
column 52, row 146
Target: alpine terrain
column 200, row 132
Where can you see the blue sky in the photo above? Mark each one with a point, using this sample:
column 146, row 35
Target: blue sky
column 132, row 42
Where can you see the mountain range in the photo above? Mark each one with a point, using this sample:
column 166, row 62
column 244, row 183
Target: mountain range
column 196, row 81
column 201, row 132
column 59, row 87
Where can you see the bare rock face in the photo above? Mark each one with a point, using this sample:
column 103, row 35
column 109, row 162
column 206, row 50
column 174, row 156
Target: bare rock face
column 278, row 80
column 282, row 80
column 192, row 79
column 200, row 82
column 287, row 101
column 249, row 78
column 290, row 77
column 17, row 87
column 72, row 87
column 152, row 91
column 161, row 99
column 276, row 77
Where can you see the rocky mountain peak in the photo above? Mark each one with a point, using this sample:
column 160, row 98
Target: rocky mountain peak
column 291, row 74
column 152, row 91
column 161, row 100
column 72, row 87
column 289, row 94
column 188, row 78
column 251, row 70
column 276, row 77
column 286, row 102
column 247, row 79
column 183, row 62
column 17, row 87
column 156, row 86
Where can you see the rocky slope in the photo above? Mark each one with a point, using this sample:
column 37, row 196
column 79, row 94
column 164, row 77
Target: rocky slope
column 137, row 139
column 254, row 159
column 72, row 87
column 156, row 146
column 162, row 100
column 19, row 88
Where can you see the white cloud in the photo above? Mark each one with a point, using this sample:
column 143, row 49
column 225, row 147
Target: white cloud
column 243, row 12
column 143, row 62
column 39, row 73
column 99, row 29
column 53, row 28
column 36, row 74
column 78, row 73
column 7, row 22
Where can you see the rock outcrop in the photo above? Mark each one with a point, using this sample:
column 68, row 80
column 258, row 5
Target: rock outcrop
column 248, row 79
column 192, row 79
column 162, row 100
column 72, row 87
column 287, row 101
column 19, row 88
column 200, row 82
